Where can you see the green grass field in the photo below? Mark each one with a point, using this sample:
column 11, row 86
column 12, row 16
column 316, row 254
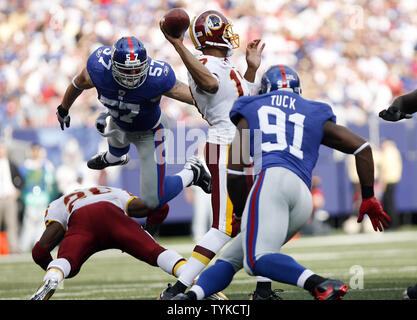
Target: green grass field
column 388, row 262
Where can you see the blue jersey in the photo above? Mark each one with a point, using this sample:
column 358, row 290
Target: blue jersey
column 285, row 130
column 132, row 109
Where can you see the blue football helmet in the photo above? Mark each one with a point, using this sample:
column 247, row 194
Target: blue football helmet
column 129, row 62
column 280, row 77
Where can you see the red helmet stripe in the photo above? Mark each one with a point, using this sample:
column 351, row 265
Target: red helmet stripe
column 283, row 76
column 129, row 41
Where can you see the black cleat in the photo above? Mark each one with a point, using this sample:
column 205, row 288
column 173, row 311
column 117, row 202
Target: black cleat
column 202, row 177
column 410, row 293
column 167, row 294
column 330, row 289
column 99, row 162
column 271, row 295
column 184, row 296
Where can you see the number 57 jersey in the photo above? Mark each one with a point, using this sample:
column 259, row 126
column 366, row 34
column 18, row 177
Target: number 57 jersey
column 62, row 208
column 131, row 109
column 285, row 130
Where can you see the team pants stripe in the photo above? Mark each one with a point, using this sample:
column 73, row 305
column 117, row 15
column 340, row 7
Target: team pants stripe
column 216, row 157
column 252, row 225
column 160, row 153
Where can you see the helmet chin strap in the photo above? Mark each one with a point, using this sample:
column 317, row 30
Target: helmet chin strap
column 227, row 46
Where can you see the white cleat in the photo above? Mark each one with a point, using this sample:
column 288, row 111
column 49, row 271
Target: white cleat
column 46, row 290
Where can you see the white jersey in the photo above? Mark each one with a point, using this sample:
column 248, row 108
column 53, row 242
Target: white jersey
column 61, row 209
column 215, row 107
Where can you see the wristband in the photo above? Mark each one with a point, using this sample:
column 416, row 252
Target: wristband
column 62, row 111
column 367, row 192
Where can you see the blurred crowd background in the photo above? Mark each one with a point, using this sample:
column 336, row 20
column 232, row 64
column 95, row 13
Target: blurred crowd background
column 356, row 55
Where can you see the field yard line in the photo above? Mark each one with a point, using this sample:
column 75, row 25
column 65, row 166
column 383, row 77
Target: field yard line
column 302, row 242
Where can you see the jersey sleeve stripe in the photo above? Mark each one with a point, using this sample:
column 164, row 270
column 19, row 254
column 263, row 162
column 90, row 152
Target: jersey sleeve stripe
column 127, row 204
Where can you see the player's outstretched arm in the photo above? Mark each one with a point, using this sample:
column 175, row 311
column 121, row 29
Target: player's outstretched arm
column 181, row 92
column 201, row 75
column 50, row 238
column 401, row 108
column 79, row 83
column 342, row 139
column 253, row 58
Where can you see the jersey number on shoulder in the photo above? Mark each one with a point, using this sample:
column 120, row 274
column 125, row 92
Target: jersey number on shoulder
column 72, row 197
column 107, row 52
column 279, row 129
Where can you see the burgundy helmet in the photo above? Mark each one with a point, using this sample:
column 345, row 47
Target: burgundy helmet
column 212, row 29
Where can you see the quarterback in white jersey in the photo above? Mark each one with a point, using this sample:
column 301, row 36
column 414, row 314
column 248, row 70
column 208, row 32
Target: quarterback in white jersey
column 215, row 107
column 215, row 85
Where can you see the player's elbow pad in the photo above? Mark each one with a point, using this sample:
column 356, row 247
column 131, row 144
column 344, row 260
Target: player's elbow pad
column 41, row 256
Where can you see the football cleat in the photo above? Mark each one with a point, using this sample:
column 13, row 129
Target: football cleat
column 46, row 290
column 184, row 296
column 202, row 177
column 410, row 293
column 217, row 296
column 330, row 289
column 271, row 295
column 167, row 294
column 99, row 162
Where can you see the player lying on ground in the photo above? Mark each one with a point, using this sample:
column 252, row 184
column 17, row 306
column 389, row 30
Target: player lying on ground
column 286, row 132
column 95, row 219
column 130, row 84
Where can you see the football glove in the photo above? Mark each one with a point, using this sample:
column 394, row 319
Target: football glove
column 63, row 117
column 373, row 209
column 394, row 114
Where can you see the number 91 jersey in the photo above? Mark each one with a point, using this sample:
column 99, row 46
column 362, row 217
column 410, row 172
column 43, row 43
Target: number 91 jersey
column 61, row 209
column 131, row 109
column 285, row 130
column 215, row 107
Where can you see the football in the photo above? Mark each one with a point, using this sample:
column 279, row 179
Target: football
column 175, row 22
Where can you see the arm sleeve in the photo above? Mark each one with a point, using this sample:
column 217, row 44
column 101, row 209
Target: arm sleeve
column 41, row 256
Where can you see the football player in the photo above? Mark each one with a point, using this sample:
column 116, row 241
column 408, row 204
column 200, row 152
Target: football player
column 130, row 84
column 284, row 133
column 402, row 108
column 94, row 219
column 215, row 84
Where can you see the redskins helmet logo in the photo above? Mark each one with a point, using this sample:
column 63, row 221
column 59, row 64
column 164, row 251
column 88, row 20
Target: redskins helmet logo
column 213, row 22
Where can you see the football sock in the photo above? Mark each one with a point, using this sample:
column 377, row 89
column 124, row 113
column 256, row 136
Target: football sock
column 312, row 281
column 204, row 251
column 278, row 267
column 54, row 273
column 172, row 187
column 61, row 264
column 187, row 176
column 171, row 262
column 214, row 279
column 110, row 158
